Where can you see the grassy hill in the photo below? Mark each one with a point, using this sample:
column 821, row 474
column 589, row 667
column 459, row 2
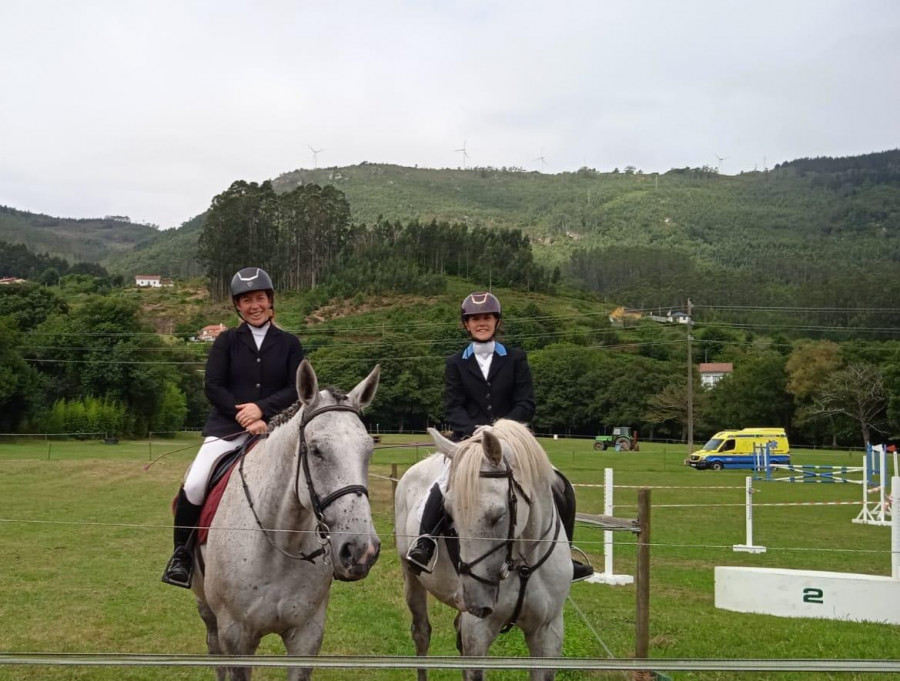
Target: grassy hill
column 88, row 240
column 790, row 224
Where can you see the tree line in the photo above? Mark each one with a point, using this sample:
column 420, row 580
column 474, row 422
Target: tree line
column 304, row 238
column 296, row 236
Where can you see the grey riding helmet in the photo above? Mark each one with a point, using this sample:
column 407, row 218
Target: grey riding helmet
column 251, row 279
column 480, row 303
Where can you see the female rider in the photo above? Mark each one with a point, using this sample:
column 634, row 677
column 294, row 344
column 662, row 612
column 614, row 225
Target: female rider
column 485, row 382
column 250, row 376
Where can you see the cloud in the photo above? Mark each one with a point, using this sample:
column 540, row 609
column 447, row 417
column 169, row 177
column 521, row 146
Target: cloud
column 151, row 108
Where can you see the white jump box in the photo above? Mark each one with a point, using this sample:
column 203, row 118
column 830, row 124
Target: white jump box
column 808, row 593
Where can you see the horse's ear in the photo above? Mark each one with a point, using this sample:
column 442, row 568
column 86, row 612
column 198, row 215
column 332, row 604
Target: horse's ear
column 307, row 383
column 363, row 394
column 445, row 446
column 493, row 450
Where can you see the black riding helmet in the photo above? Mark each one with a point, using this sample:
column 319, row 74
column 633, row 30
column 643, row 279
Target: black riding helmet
column 480, row 303
column 251, row 279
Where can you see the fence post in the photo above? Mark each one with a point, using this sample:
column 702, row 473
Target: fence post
column 642, row 584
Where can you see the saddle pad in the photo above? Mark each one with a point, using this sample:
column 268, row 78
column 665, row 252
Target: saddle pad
column 210, row 506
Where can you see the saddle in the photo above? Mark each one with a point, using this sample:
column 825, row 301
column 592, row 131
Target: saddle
column 218, row 481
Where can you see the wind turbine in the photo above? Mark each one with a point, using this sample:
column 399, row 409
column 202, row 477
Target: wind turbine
column 316, row 153
column 465, row 154
column 719, row 164
column 541, row 159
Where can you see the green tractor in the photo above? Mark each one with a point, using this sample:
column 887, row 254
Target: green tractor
column 622, row 440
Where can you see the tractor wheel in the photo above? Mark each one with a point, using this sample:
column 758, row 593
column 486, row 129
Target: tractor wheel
column 624, row 444
column 599, row 446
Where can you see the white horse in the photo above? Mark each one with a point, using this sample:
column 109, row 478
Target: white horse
column 515, row 566
column 294, row 516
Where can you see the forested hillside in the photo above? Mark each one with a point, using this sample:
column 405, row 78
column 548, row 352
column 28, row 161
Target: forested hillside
column 88, row 239
column 812, row 232
column 79, row 361
column 791, row 274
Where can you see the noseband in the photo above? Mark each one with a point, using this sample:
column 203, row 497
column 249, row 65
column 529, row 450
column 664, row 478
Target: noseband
column 318, row 504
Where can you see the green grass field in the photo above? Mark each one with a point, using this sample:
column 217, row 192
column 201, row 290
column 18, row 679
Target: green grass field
column 85, row 532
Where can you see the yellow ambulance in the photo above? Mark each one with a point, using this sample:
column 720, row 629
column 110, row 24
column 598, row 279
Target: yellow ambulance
column 737, row 449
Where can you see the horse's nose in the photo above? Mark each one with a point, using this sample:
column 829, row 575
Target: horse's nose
column 481, row 613
column 354, row 554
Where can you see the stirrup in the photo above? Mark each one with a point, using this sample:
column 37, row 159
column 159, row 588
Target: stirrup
column 418, row 567
column 168, row 579
column 585, row 564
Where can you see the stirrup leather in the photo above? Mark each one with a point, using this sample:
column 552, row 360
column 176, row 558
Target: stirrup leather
column 426, row 568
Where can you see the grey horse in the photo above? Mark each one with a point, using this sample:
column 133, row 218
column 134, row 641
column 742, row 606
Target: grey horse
column 294, row 517
column 515, row 564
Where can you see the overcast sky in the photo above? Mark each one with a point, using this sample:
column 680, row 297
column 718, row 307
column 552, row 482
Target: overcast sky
column 149, row 109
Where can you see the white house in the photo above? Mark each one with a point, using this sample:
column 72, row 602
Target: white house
column 713, row 372
column 151, row 280
column 678, row 317
column 209, row 333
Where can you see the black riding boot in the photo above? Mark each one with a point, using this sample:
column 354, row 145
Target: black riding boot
column 421, row 552
column 565, row 504
column 180, row 568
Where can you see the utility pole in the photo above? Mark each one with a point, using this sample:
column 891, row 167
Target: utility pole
column 690, row 380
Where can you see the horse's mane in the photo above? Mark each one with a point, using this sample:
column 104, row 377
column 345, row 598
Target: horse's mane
column 525, row 456
column 290, row 412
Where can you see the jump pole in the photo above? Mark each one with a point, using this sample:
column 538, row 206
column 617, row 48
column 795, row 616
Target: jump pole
column 895, row 527
column 608, row 575
column 875, row 513
column 749, row 546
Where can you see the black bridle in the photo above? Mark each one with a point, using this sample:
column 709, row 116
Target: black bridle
column 512, row 503
column 318, row 504
column 523, row 569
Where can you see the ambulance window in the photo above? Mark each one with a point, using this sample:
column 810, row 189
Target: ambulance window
column 728, row 446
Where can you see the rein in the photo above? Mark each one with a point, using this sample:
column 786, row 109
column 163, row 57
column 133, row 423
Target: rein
column 318, row 504
column 523, row 569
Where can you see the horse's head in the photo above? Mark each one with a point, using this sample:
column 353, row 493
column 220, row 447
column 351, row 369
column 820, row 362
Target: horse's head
column 335, row 452
column 490, row 492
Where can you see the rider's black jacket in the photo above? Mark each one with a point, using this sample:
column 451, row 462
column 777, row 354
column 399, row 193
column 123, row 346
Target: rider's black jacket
column 471, row 400
column 236, row 372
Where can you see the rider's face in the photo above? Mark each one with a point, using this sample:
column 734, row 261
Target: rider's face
column 255, row 307
column 481, row 327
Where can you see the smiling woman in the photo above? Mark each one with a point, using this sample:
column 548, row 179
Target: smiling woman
column 249, row 378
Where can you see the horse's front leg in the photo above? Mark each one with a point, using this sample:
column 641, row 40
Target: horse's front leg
column 475, row 636
column 236, row 639
column 545, row 641
column 305, row 639
column 417, row 602
column 212, row 634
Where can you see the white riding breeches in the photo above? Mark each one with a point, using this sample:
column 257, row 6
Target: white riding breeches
column 197, row 478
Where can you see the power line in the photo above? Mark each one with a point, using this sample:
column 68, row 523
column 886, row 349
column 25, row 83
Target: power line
column 321, row 360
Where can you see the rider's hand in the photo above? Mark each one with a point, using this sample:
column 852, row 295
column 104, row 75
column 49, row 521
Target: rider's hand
column 257, row 428
column 247, row 413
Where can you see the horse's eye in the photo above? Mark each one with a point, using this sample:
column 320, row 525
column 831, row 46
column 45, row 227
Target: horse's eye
column 497, row 518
